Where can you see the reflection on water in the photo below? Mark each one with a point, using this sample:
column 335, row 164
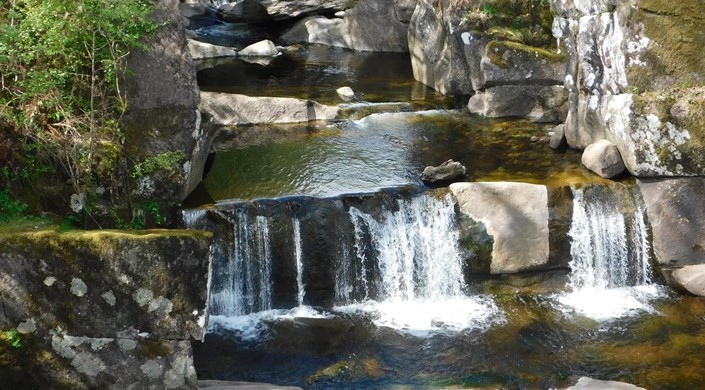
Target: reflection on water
column 384, row 150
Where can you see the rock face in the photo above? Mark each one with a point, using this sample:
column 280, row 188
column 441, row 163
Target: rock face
column 233, row 109
column 163, row 114
column 676, row 211
column 516, row 218
column 444, row 173
column 633, row 81
column 202, row 50
column 243, row 11
column 372, row 25
column 107, row 308
column 604, row 159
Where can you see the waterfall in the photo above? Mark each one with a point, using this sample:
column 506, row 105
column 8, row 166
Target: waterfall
column 247, row 268
column 298, row 252
column 195, row 218
column 416, row 249
column 610, row 266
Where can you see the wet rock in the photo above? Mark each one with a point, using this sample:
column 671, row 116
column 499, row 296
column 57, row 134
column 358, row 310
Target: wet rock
column 191, row 8
column 689, row 279
column 516, row 217
column 538, row 103
column 604, row 159
column 243, row 11
column 444, row 173
column 233, row 109
column 264, row 48
column 228, row 385
column 558, row 137
column 202, row 50
column 345, row 93
column 586, row 383
column 370, row 26
column 676, row 211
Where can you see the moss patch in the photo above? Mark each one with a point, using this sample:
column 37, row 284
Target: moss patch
column 501, row 53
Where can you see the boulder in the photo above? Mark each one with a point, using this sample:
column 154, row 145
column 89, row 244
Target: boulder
column 558, row 137
column 676, row 211
column 346, row 93
column 202, row 50
column 163, row 113
column 233, row 109
column 444, row 173
column 509, row 63
column 515, row 215
column 243, row 11
column 604, row 159
column 439, row 55
column 688, row 279
column 372, row 25
column 538, row 103
column 265, row 48
column 586, row 383
column 191, row 8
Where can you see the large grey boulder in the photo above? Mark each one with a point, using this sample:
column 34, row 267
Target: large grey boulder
column 676, row 211
column 202, row 50
column 278, row 10
column 604, row 159
column 372, row 25
column 511, row 63
column 438, row 54
column 233, row 109
column 539, row 103
column 243, row 11
column 586, row 383
column 163, row 116
column 448, row 171
column 515, row 216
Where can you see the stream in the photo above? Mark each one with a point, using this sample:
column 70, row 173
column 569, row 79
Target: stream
column 335, row 268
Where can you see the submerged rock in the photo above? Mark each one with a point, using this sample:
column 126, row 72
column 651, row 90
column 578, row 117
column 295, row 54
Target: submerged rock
column 265, row 48
column 444, row 173
column 515, row 215
column 604, row 159
column 586, row 383
column 232, row 109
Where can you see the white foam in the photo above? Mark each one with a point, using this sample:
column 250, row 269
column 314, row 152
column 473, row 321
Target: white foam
column 252, row 327
column 601, row 304
column 424, row 318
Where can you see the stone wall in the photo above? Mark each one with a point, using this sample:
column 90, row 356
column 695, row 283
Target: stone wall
column 102, row 309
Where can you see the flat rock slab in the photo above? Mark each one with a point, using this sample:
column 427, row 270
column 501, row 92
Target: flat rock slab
column 233, row 109
column 586, row 383
column 226, row 385
column 515, row 216
column 202, row 50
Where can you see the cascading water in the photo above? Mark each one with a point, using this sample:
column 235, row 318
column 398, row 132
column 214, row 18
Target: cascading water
column 610, row 267
column 301, row 292
column 420, row 285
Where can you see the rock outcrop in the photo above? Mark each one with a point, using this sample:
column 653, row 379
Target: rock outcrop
column 104, row 309
column 635, row 78
column 604, row 159
column 257, row 11
column 233, row 109
column 372, row 25
column 515, row 216
column 538, row 103
column 163, row 115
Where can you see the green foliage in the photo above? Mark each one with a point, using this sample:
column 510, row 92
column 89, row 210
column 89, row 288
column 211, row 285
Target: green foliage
column 524, row 21
column 10, row 208
column 167, row 161
column 62, row 68
column 12, row 337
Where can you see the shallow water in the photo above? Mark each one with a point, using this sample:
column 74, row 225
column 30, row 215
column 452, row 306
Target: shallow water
column 537, row 345
column 384, row 150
